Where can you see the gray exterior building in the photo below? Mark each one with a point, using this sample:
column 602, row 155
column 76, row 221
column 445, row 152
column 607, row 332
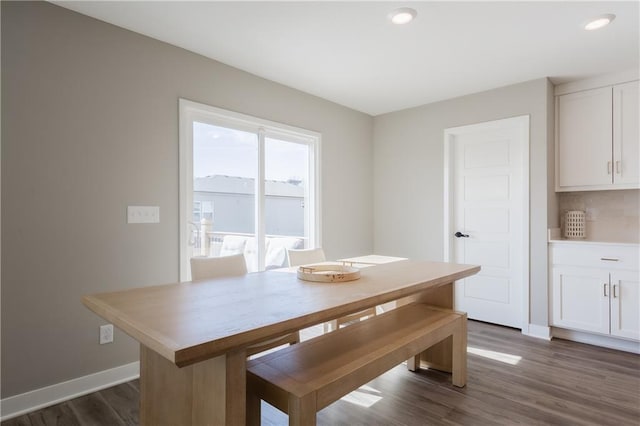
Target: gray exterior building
column 229, row 201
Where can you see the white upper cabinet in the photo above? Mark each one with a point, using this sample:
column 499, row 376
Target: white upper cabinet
column 584, row 138
column 626, row 152
column 597, row 139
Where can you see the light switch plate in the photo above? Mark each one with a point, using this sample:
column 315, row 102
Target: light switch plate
column 143, row 214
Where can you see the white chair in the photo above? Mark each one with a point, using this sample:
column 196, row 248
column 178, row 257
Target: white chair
column 203, row 268
column 305, row 257
column 309, row 256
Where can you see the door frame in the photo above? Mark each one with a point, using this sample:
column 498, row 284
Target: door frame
column 522, row 122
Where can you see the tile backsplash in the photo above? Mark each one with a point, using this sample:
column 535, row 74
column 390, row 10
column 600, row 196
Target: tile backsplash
column 610, row 215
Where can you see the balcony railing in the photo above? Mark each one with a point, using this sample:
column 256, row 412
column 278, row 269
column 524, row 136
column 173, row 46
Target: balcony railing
column 219, row 243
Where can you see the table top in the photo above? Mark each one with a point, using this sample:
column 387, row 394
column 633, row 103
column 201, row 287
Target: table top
column 193, row 321
column 372, row 259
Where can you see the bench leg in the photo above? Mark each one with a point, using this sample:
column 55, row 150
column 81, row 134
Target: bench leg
column 302, row 411
column 253, row 409
column 413, row 363
column 330, row 326
column 459, row 356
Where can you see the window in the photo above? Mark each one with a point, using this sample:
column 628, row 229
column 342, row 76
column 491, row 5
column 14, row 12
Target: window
column 247, row 186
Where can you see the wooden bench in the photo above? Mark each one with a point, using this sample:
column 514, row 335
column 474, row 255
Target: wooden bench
column 304, row 378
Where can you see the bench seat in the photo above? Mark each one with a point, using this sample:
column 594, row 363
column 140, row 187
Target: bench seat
column 304, row 378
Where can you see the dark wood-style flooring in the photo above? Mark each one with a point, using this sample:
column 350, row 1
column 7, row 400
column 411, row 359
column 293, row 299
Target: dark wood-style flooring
column 513, row 379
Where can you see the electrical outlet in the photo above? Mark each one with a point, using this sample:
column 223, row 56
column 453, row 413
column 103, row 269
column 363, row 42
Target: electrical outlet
column 590, row 214
column 106, row 334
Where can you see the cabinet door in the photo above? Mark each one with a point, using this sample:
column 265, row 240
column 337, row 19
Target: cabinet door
column 580, row 299
column 626, row 137
column 584, row 127
column 625, row 304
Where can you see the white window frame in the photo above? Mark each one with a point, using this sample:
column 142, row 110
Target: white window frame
column 189, row 112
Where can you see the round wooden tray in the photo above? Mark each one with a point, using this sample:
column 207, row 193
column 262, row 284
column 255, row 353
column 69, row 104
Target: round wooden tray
column 328, row 273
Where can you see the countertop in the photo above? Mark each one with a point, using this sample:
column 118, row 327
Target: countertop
column 584, row 242
column 554, row 236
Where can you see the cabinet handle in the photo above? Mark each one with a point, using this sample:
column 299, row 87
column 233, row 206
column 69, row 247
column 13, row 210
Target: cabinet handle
column 604, row 289
column 609, row 259
column 614, row 291
column 618, row 167
column 608, row 167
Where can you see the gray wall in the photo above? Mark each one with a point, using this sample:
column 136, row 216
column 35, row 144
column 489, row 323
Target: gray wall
column 89, row 126
column 409, row 174
column 0, row 182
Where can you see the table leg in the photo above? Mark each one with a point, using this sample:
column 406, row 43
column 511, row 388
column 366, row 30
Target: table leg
column 439, row 356
column 198, row 394
column 459, row 366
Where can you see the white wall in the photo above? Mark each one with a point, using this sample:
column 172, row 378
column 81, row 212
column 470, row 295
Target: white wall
column 408, row 174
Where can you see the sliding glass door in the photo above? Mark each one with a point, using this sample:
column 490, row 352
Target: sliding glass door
column 247, row 186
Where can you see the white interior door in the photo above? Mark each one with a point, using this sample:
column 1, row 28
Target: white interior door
column 487, row 220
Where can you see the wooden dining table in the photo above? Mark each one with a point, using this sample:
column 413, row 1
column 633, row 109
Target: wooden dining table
column 193, row 335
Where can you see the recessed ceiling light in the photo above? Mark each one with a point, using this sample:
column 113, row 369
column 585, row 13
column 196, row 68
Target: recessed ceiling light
column 403, row 15
column 599, row 22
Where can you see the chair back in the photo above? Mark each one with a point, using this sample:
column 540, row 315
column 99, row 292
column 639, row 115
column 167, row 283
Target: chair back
column 203, row 268
column 305, row 257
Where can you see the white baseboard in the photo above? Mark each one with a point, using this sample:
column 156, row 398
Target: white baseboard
column 538, row 331
column 44, row 397
column 597, row 340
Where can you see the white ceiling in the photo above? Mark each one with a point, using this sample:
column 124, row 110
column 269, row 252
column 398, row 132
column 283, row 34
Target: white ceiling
column 350, row 53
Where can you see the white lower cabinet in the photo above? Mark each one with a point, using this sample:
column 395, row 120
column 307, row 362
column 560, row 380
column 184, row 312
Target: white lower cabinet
column 579, row 299
column 592, row 290
column 625, row 304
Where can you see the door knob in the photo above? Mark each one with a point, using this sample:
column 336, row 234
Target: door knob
column 460, row 234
